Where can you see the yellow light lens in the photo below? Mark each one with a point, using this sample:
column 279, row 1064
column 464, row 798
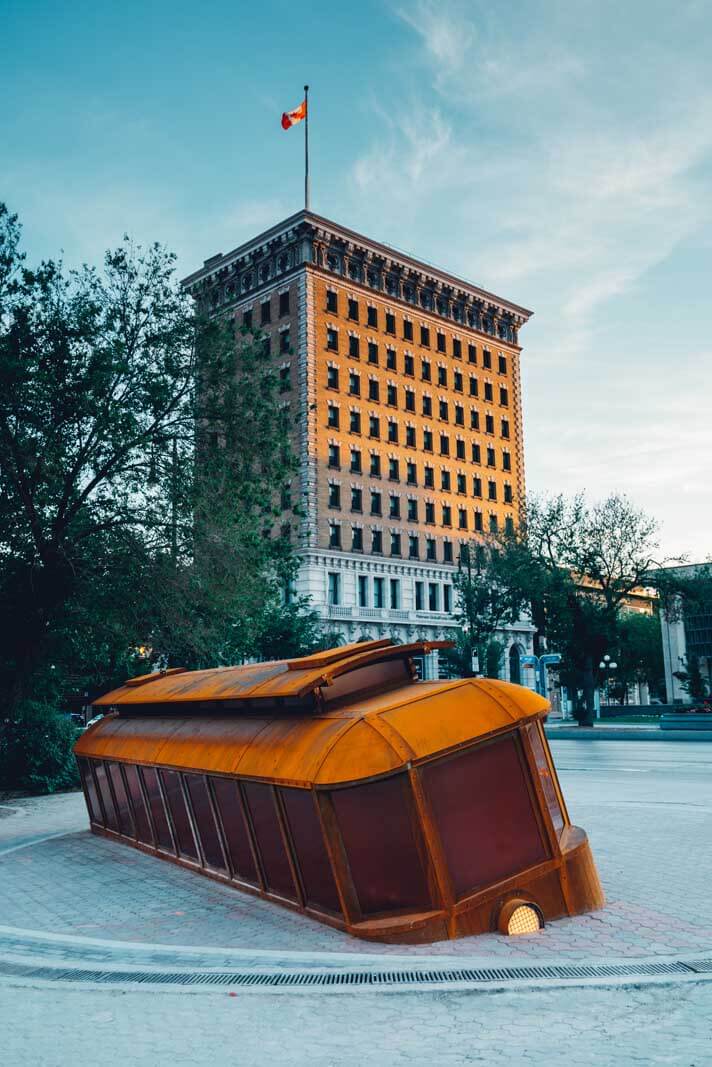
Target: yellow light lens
column 523, row 920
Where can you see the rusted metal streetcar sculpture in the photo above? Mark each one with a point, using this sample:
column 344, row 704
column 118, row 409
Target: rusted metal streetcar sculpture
column 341, row 786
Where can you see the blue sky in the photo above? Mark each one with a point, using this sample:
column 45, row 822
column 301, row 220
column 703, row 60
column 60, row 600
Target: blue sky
column 559, row 153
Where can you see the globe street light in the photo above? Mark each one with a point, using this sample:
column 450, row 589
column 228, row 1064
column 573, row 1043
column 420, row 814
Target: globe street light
column 607, row 665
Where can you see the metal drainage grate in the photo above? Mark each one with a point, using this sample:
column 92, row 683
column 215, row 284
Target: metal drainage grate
column 292, row 979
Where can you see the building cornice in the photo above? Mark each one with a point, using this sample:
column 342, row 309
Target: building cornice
column 306, row 239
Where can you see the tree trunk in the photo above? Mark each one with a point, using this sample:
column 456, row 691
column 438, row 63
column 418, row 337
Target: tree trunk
column 589, row 694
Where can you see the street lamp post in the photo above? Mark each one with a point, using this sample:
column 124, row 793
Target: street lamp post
column 607, row 665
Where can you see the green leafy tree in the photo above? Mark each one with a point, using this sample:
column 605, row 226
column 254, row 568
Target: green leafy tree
column 639, row 654
column 484, row 602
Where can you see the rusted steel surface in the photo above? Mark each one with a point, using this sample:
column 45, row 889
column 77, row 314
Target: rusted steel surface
column 340, row 785
column 262, row 681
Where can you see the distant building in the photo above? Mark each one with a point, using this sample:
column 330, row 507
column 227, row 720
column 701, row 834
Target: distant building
column 683, row 637
column 405, row 384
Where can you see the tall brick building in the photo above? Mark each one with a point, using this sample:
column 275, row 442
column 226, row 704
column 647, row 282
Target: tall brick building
column 404, row 382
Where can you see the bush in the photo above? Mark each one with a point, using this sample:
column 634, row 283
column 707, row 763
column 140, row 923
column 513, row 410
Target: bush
column 36, row 752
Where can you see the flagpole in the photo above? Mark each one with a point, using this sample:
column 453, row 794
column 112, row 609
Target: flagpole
column 306, row 149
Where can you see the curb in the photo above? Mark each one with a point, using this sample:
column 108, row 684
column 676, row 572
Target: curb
column 621, row 733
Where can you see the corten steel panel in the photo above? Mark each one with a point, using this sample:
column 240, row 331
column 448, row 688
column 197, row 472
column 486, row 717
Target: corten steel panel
column 123, row 810
column 205, row 822
column 90, row 791
column 232, row 817
column 211, row 744
column 484, row 814
column 377, row 826
column 290, row 749
column 360, row 752
column 546, row 777
column 107, row 800
column 307, row 839
column 157, row 808
column 185, row 839
column 121, row 738
column 268, row 835
column 259, row 681
column 143, row 825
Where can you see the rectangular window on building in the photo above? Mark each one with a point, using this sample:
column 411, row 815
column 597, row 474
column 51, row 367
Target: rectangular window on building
column 356, row 499
column 503, row 397
column 430, row 549
column 419, row 596
column 375, row 467
column 392, row 432
column 428, row 477
column 265, row 312
column 373, row 390
column 332, row 301
column 506, row 461
column 332, row 377
column 408, row 366
column 372, row 316
column 474, row 419
column 411, row 473
column 472, row 354
column 373, row 353
column 375, row 502
column 447, row 551
column 509, row 524
column 457, row 348
column 376, row 542
column 493, row 524
column 378, row 592
column 353, row 309
column 374, row 426
column 354, row 422
column 427, row 405
column 504, row 428
column 443, row 410
column 395, row 544
column 332, row 340
column 355, row 461
column 395, row 593
column 491, row 460
column 284, row 303
column 393, row 470
column 491, row 490
column 459, row 415
column 354, row 384
column 334, row 588
column 390, row 359
column 391, row 396
column 333, row 417
column 445, row 480
column 461, row 483
column 447, row 598
column 442, row 376
column 462, row 519
column 334, row 457
column 444, row 444
column 474, row 386
column 407, row 330
column 440, row 341
column 508, row 494
column 412, row 510
column 425, row 371
column 502, row 364
column 460, row 448
column 476, row 486
column 362, row 591
column 447, row 515
column 478, row 521
column 247, row 319
column 489, row 424
column 488, row 392
column 409, row 400
column 390, row 323
column 354, row 347
column 356, row 539
column 433, row 596
column 430, row 513
column 457, row 381
column 410, row 441
column 334, row 535
column 285, row 381
column 487, row 359
column 413, row 547
column 425, row 336
column 427, row 440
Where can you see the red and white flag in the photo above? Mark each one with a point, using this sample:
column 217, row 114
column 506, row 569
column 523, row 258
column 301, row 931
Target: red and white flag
column 291, row 118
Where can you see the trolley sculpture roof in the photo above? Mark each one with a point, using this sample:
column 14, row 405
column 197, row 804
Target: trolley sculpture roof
column 262, row 720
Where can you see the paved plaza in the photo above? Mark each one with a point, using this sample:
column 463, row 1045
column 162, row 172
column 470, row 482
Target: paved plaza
column 647, row 809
